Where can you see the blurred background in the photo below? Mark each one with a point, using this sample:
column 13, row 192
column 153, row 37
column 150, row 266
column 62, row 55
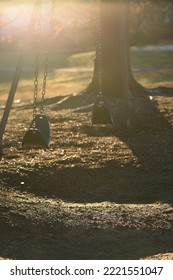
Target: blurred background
column 74, row 23
column 73, row 37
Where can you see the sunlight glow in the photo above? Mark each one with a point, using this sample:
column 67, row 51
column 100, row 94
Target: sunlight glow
column 15, row 17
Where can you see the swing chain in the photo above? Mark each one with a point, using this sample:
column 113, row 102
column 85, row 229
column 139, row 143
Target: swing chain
column 37, row 59
column 44, row 83
column 99, row 48
column 47, row 60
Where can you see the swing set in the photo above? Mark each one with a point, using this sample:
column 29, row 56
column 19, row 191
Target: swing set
column 101, row 113
column 38, row 134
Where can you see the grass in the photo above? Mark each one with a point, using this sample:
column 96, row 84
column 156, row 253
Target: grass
column 67, row 82
column 157, row 78
column 85, row 59
column 151, row 59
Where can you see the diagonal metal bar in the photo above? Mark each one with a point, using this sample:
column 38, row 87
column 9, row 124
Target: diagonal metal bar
column 16, row 77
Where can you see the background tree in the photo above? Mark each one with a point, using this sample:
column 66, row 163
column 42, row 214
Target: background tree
column 115, row 62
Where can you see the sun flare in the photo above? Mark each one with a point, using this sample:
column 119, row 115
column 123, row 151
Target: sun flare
column 69, row 20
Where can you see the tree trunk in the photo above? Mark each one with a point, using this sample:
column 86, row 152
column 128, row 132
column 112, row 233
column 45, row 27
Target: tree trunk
column 115, row 66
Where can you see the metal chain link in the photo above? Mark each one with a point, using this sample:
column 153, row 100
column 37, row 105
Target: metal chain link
column 47, row 60
column 44, row 81
column 99, row 48
column 37, row 59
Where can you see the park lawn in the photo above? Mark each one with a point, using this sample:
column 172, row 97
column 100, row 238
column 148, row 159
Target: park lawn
column 139, row 59
column 149, row 69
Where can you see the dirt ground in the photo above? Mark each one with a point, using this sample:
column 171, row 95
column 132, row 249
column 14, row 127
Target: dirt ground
column 98, row 192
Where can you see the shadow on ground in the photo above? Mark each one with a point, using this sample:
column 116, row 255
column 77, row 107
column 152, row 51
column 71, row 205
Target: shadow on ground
column 28, row 240
column 146, row 181
column 150, row 141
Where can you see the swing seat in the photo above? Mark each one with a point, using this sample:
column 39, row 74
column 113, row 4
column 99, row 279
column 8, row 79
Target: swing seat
column 38, row 134
column 101, row 113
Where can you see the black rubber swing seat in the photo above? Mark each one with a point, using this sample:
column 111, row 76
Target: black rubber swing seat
column 101, row 113
column 38, row 134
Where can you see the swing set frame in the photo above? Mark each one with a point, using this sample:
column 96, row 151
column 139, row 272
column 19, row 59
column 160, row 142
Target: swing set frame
column 40, row 119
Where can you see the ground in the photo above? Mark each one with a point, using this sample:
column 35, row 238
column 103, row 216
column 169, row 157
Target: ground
column 98, row 192
column 95, row 194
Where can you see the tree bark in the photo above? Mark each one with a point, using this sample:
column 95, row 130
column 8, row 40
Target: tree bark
column 115, row 66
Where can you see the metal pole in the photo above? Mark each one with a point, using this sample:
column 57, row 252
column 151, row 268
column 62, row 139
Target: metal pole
column 16, row 78
column 123, row 25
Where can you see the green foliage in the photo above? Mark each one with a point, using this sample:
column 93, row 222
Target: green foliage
column 151, row 21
